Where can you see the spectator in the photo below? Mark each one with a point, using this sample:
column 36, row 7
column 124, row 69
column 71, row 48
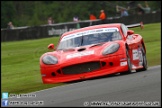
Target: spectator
column 50, row 21
column 92, row 17
column 143, row 10
column 10, row 25
column 147, row 9
column 102, row 17
column 75, row 19
column 123, row 11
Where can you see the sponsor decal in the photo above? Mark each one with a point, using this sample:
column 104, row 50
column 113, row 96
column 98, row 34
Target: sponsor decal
column 123, row 59
column 123, row 63
column 94, row 31
column 54, row 31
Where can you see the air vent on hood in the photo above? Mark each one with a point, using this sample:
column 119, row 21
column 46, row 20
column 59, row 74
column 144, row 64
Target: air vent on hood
column 81, row 49
column 99, row 44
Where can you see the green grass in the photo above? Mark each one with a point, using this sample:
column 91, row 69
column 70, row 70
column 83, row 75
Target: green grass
column 20, row 72
column 20, row 65
column 152, row 38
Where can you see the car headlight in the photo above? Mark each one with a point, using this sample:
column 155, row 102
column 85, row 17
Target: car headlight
column 111, row 49
column 49, row 59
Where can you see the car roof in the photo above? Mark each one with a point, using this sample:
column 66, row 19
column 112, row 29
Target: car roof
column 93, row 27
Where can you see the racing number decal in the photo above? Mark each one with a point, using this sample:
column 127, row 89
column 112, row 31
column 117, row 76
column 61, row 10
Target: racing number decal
column 135, row 54
column 140, row 55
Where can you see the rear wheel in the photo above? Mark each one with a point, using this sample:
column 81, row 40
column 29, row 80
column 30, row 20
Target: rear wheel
column 144, row 61
column 129, row 64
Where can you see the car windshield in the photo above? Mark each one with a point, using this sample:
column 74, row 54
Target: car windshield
column 87, row 39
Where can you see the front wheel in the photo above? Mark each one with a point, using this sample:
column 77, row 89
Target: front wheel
column 144, row 61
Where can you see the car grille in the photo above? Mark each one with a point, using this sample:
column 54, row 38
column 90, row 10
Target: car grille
column 81, row 68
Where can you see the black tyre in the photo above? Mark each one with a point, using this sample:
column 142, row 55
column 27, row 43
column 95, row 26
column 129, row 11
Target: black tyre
column 129, row 64
column 144, row 61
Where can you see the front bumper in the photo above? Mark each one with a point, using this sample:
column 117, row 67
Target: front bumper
column 108, row 65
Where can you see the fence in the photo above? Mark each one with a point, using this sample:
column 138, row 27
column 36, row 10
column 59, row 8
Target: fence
column 42, row 31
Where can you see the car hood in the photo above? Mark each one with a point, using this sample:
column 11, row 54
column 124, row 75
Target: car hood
column 80, row 54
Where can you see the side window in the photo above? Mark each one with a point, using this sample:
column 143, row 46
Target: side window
column 124, row 29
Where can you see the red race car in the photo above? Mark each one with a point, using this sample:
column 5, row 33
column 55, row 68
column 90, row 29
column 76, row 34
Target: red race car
column 94, row 51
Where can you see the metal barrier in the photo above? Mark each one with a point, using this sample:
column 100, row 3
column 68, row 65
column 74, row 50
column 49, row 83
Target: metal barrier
column 43, row 31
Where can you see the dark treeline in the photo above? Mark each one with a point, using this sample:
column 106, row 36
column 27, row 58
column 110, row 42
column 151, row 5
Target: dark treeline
column 33, row 13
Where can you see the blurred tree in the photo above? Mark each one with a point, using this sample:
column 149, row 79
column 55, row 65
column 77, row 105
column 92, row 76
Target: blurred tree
column 7, row 13
column 32, row 13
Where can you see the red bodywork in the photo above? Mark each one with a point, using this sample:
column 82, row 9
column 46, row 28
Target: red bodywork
column 94, row 64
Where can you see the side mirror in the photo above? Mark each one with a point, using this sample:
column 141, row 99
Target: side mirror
column 129, row 32
column 51, row 46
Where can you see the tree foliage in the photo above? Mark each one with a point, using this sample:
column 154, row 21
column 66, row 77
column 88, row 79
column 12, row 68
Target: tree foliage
column 33, row 13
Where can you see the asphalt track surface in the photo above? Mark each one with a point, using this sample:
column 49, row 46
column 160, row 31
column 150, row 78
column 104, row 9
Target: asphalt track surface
column 138, row 87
